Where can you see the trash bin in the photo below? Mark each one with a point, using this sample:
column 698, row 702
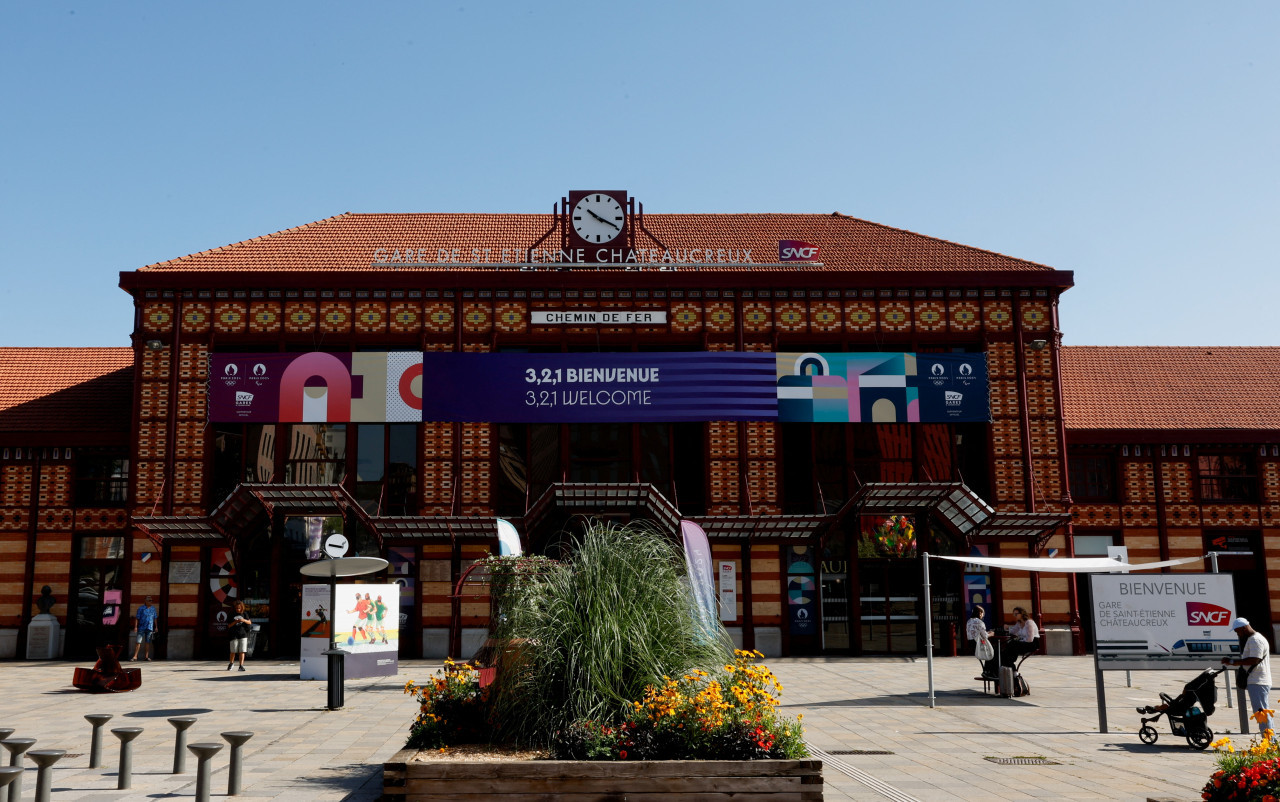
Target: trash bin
column 253, row 639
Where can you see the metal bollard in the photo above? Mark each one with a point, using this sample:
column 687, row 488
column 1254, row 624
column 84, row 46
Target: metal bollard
column 336, row 677
column 126, row 736
column 236, row 739
column 95, row 741
column 16, row 747
column 203, row 752
column 44, row 760
column 181, row 724
column 5, row 732
column 8, row 774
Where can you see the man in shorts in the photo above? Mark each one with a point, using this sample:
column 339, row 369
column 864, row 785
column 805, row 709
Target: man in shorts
column 145, row 625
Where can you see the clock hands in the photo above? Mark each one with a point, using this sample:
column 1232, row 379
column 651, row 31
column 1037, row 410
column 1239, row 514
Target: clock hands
column 602, row 220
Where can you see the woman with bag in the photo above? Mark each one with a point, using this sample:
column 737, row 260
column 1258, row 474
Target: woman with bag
column 976, row 630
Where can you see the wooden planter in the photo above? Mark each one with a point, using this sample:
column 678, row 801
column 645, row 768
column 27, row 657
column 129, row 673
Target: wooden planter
column 588, row 781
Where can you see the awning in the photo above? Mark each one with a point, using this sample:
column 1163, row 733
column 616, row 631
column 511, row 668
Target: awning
column 960, row 508
column 1067, row 565
column 757, row 527
column 602, row 498
column 435, row 527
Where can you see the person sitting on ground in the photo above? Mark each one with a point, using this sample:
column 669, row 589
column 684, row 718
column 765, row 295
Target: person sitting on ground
column 1026, row 637
column 976, row 631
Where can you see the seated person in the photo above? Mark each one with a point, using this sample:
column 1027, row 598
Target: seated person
column 1026, row 637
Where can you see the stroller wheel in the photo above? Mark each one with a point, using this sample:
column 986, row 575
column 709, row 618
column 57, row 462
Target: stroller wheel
column 1200, row 739
column 1148, row 735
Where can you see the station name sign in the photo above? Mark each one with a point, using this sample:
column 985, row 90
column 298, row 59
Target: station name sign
column 410, row 257
column 643, row 317
column 411, row 386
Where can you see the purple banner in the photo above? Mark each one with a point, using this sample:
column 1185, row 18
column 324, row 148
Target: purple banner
column 599, row 387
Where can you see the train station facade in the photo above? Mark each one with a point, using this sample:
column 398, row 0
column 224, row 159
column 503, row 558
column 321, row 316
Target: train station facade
column 825, row 397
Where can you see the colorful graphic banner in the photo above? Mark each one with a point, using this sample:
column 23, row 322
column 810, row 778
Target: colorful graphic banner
column 802, row 387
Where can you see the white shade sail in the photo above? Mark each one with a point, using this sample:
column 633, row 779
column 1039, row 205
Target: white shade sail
column 1064, row 565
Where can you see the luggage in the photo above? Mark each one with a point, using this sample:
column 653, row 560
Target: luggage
column 1012, row 684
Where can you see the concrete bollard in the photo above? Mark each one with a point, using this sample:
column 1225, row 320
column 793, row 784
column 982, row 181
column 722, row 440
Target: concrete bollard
column 16, row 747
column 236, row 739
column 8, row 774
column 181, row 724
column 95, row 740
column 44, row 760
column 126, row 736
column 203, row 752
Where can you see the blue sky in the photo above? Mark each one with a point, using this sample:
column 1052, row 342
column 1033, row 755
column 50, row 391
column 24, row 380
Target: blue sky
column 1134, row 143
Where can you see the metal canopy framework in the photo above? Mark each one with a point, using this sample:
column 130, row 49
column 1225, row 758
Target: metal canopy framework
column 632, row 498
column 759, row 527
column 962, row 509
column 435, row 527
column 253, row 505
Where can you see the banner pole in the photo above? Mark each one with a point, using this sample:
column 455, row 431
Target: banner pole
column 928, row 628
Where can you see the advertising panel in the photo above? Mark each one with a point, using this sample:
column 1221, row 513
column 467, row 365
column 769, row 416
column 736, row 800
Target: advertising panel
column 367, row 625
column 1163, row 621
column 805, row 387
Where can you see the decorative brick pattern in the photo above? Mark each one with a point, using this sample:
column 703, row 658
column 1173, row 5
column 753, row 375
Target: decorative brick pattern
column 824, row 316
column 300, row 317
column 1177, row 482
column 895, row 316
column 998, row 315
column 860, row 315
column 157, row 318
column 1004, row 399
column 757, row 317
column 1035, row 316
column 405, row 318
column 511, row 317
column 371, row 317
column 791, row 317
column 1183, row 514
column 1039, row 363
column 686, row 317
column 1138, row 514
column 153, row 400
column 1096, row 515
column 964, row 316
column 1048, row 478
column 155, row 364
column 1044, row 438
column 931, row 316
column 1009, row 481
column 335, row 317
column 1006, row 437
column 1002, row 360
column 438, row 317
column 1139, row 482
column 197, row 317
column 719, row 316
column 1040, row 399
column 476, row 318
column 1224, row 515
column 1270, row 481
column 193, row 361
column 265, row 317
column 230, row 317
column 723, row 475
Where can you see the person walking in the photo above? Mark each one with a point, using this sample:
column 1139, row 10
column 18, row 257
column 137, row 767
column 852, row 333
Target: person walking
column 145, row 624
column 1255, row 656
column 239, row 629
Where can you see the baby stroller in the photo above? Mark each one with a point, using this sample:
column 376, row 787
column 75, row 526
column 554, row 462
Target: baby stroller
column 1188, row 713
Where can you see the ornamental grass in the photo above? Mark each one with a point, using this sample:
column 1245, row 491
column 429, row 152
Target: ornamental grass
column 587, row 649
column 1248, row 774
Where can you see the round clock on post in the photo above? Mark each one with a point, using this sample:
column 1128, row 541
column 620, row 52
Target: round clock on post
column 597, row 220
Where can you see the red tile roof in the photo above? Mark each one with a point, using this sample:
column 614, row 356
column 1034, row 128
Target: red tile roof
column 348, row 241
column 1170, row 388
column 66, row 389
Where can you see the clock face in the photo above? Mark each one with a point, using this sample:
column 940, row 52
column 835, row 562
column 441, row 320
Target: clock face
column 598, row 218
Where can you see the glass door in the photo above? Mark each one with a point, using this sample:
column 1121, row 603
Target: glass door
column 835, row 598
column 889, row 606
column 96, row 614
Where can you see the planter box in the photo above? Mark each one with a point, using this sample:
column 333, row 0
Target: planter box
column 588, row 781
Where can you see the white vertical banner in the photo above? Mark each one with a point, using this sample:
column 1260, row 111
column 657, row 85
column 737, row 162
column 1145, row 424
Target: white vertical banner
column 702, row 583
column 728, row 573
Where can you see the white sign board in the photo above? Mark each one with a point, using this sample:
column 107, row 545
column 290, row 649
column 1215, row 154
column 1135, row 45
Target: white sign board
column 184, row 573
column 1163, row 621
column 728, row 591
column 605, row 317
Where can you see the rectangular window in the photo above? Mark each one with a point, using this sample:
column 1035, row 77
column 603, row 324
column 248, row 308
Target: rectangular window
column 1227, row 477
column 102, row 480
column 317, row 454
column 1092, row 478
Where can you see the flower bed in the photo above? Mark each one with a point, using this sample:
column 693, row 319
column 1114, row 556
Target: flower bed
column 1249, row 774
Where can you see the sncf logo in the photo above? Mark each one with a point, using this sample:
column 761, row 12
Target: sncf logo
column 793, row 250
column 1205, row 614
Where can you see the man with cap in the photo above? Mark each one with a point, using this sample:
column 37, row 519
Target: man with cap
column 1255, row 655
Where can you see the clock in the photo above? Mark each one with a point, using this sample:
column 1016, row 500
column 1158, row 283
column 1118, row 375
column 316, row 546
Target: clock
column 598, row 217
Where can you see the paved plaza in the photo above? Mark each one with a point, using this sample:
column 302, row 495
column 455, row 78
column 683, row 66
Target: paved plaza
column 852, row 707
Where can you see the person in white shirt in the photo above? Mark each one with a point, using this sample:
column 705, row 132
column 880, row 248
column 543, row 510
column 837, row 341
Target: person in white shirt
column 1026, row 637
column 1255, row 654
column 976, row 631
